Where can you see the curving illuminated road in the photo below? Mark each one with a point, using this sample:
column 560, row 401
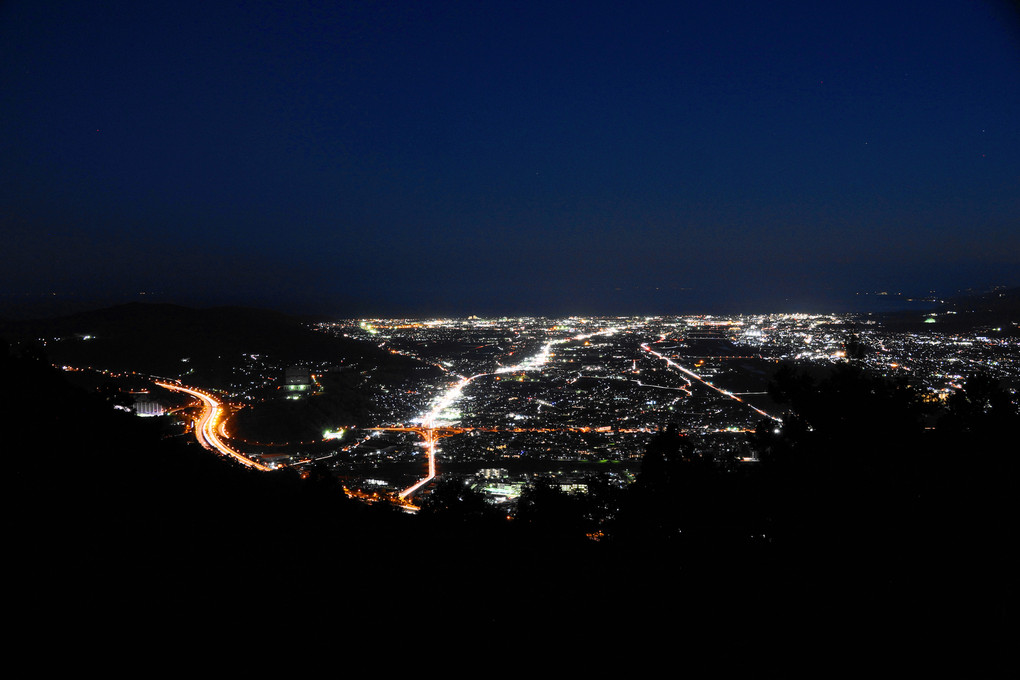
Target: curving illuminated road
column 209, row 427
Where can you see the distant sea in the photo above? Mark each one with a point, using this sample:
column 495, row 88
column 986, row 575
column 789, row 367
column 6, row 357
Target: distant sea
column 606, row 303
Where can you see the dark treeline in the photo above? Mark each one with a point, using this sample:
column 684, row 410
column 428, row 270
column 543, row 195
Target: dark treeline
column 870, row 511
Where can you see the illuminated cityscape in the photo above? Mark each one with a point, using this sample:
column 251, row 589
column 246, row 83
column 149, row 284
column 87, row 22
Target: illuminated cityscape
column 433, row 320
column 656, row 440
column 499, row 403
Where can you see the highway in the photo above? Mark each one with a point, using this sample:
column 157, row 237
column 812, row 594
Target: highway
column 431, row 433
column 673, row 364
column 209, row 427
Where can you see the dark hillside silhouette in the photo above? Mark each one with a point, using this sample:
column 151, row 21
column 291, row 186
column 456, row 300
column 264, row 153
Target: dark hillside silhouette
column 153, row 338
column 856, row 518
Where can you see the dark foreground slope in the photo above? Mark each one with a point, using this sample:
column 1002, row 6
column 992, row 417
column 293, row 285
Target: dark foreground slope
column 154, row 338
column 172, row 549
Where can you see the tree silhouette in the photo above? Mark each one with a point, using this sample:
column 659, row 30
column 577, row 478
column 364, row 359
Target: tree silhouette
column 840, row 468
column 855, row 349
column 550, row 511
column 452, row 500
column 981, row 406
column 688, row 500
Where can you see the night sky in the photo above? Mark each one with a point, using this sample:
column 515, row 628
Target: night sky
column 430, row 158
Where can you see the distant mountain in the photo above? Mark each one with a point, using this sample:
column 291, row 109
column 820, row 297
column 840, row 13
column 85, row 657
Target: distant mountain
column 38, row 306
column 1003, row 300
column 998, row 308
column 156, row 338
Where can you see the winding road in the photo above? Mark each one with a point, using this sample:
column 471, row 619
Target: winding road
column 209, row 422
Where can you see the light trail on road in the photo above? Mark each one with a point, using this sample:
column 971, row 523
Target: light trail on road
column 209, row 422
column 454, row 392
column 429, row 434
column 673, row 364
column 445, row 431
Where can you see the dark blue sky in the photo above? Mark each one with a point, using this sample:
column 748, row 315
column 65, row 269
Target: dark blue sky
column 475, row 157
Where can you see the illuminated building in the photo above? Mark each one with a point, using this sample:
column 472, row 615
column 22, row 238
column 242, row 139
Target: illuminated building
column 297, row 380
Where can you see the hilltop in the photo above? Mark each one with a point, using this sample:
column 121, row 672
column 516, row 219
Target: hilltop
column 156, row 338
